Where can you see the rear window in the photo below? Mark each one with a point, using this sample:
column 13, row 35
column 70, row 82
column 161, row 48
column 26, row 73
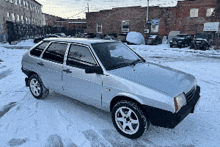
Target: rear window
column 39, row 49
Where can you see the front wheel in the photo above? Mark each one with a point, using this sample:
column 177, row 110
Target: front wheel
column 37, row 88
column 129, row 120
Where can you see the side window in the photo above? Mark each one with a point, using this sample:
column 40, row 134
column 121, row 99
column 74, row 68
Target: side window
column 39, row 49
column 80, row 56
column 55, row 52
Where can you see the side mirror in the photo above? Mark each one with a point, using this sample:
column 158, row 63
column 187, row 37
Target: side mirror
column 94, row 69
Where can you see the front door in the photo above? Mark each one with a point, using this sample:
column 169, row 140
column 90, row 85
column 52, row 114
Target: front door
column 76, row 83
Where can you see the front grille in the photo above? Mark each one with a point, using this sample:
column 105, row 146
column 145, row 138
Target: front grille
column 190, row 94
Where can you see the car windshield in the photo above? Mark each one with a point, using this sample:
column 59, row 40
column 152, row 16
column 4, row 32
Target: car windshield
column 201, row 35
column 180, row 36
column 115, row 55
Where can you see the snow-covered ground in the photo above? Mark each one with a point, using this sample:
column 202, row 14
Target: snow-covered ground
column 63, row 122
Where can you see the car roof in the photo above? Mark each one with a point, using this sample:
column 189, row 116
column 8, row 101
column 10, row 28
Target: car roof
column 152, row 36
column 181, row 34
column 79, row 40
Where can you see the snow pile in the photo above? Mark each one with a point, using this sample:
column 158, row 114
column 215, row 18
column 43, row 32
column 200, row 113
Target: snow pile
column 135, row 37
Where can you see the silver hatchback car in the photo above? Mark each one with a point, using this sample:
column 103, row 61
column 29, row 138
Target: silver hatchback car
column 109, row 75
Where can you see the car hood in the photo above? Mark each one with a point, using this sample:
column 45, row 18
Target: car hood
column 161, row 78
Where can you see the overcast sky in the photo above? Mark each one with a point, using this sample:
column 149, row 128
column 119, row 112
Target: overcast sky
column 76, row 8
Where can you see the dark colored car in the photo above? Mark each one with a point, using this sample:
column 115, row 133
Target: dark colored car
column 202, row 41
column 122, row 37
column 100, row 36
column 38, row 39
column 109, row 38
column 181, row 40
column 90, row 35
column 153, row 40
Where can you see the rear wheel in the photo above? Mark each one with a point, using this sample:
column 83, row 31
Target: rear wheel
column 129, row 120
column 37, row 88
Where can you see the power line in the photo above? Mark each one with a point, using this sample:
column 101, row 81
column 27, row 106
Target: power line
column 76, row 14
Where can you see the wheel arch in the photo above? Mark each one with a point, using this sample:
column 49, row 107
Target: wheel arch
column 127, row 98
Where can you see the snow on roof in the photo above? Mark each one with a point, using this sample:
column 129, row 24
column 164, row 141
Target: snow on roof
column 79, row 40
column 153, row 36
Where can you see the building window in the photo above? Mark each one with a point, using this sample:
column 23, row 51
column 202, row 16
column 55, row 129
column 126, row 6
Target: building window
column 18, row 18
column 16, row 2
column 13, row 16
column 20, row 3
column 99, row 27
column 125, row 26
column 194, row 12
column 11, row 1
column 27, row 5
column 8, row 14
column 24, row 3
column 209, row 12
column 22, row 19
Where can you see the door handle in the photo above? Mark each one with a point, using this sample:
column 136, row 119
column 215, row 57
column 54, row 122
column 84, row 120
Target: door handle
column 67, row 70
column 40, row 63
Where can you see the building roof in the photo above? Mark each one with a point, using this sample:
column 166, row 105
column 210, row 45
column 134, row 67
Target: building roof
column 79, row 40
column 37, row 2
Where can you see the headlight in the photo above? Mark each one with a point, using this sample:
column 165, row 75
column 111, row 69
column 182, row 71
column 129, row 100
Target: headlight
column 179, row 101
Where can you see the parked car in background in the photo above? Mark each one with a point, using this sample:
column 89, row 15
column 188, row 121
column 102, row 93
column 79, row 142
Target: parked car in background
column 202, row 41
column 60, row 34
column 38, row 39
column 109, row 38
column 181, row 40
column 100, row 36
column 110, row 76
column 153, row 40
column 89, row 35
column 122, row 37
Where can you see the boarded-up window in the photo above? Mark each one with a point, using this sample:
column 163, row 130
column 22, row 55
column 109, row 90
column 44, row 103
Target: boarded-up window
column 194, row 12
column 99, row 27
column 209, row 12
column 125, row 26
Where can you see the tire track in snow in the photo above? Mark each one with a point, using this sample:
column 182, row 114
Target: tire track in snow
column 5, row 73
column 6, row 108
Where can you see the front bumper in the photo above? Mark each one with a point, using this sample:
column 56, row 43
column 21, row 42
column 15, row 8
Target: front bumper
column 168, row 119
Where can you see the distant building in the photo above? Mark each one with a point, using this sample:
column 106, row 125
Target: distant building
column 24, row 13
column 187, row 16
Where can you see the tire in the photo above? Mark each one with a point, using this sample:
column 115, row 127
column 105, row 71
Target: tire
column 206, row 47
column 171, row 46
column 37, row 88
column 129, row 120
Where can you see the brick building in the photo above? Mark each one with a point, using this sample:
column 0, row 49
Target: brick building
column 18, row 16
column 187, row 16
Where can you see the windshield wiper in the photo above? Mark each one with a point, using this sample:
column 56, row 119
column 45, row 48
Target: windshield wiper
column 135, row 62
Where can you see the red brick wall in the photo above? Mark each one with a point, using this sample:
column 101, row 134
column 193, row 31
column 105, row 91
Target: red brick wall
column 171, row 18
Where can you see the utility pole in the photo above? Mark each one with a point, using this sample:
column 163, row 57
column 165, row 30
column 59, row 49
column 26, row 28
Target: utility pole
column 147, row 10
column 88, row 6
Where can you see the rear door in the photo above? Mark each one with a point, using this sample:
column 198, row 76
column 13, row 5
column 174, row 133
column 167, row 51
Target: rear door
column 76, row 83
column 52, row 65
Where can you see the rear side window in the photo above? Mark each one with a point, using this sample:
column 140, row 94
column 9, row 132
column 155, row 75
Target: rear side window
column 39, row 49
column 55, row 52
